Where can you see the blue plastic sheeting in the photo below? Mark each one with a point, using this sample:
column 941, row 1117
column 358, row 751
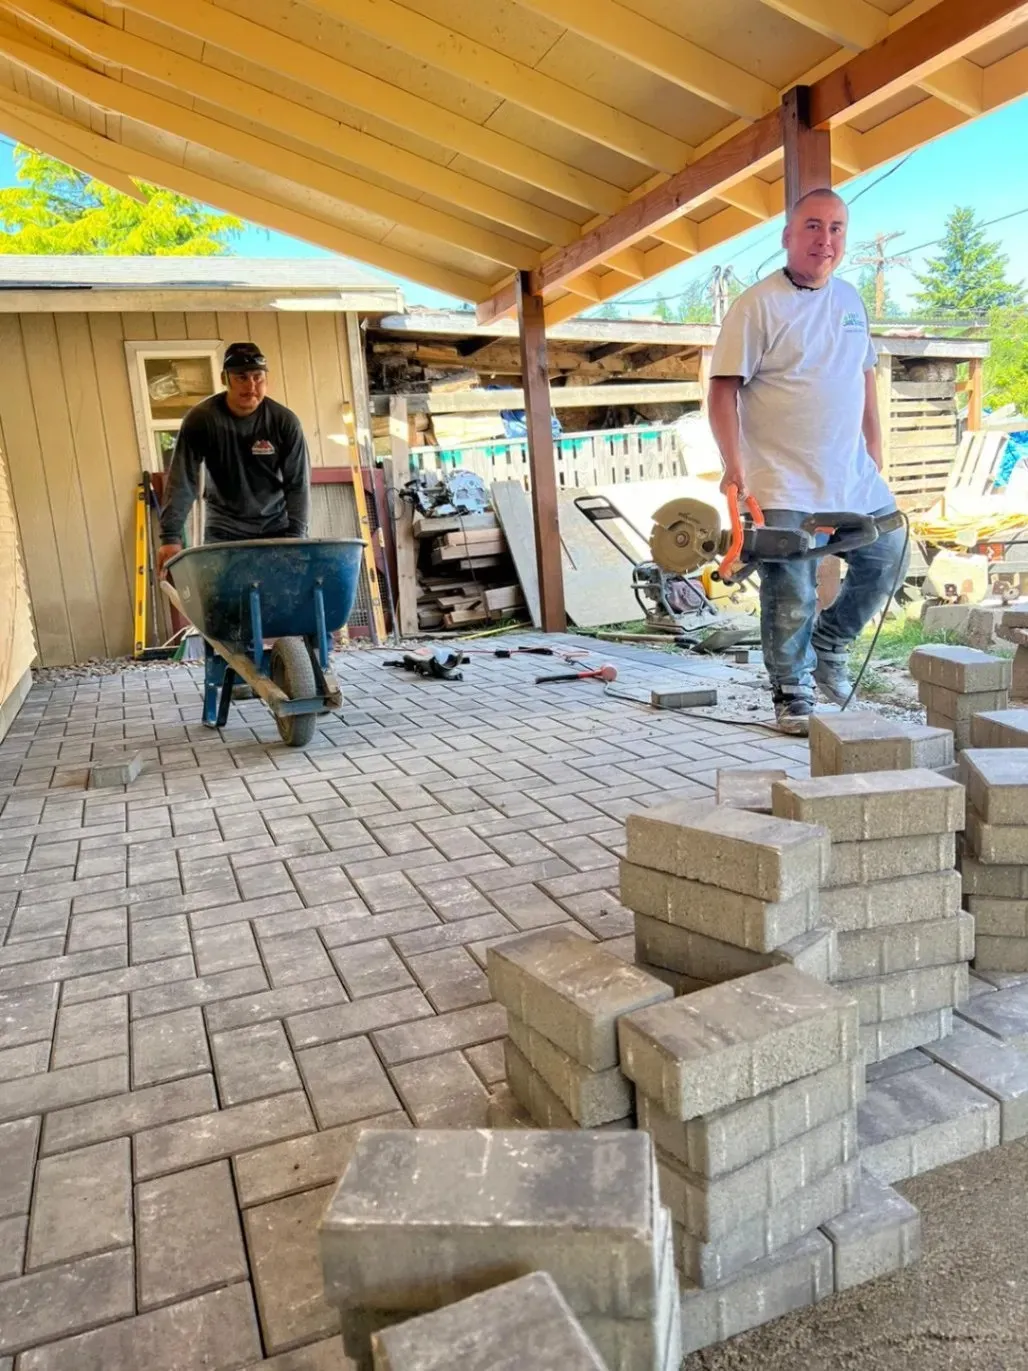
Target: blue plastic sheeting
column 514, row 425
column 1016, row 451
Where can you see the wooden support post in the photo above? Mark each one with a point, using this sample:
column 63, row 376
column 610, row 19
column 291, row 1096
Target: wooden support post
column 808, row 150
column 808, row 166
column 403, row 515
column 706, row 356
column 538, row 423
column 974, row 394
column 883, row 389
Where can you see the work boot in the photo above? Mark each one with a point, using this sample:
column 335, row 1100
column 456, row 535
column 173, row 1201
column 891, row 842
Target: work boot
column 832, row 678
column 792, row 715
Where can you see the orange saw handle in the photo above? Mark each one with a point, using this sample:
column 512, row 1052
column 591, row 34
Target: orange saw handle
column 735, row 545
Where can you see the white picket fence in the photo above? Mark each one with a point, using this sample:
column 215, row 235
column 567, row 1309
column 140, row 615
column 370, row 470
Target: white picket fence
column 601, row 458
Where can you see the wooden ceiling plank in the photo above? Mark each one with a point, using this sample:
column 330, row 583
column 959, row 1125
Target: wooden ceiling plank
column 206, row 132
column 649, row 45
column 264, row 107
column 508, row 79
column 269, row 211
column 277, row 52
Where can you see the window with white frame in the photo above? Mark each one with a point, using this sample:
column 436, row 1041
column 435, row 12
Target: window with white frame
column 167, row 379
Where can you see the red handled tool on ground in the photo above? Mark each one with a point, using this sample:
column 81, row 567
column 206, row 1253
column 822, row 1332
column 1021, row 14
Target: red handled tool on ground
column 603, row 673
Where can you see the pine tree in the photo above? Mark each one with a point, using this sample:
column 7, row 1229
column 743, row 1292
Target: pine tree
column 58, row 210
column 969, row 275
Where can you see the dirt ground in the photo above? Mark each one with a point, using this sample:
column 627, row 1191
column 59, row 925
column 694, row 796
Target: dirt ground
column 963, row 1308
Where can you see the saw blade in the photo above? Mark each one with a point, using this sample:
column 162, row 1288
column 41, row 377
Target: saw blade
column 686, row 535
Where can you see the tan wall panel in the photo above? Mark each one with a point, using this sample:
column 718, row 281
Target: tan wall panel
column 17, row 645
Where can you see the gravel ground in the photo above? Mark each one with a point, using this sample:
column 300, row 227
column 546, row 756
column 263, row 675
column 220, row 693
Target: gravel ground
column 963, row 1308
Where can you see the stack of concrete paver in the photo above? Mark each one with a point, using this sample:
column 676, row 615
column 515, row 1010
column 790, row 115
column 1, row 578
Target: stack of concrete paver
column 858, row 740
column 956, row 683
column 1013, row 627
column 892, row 897
column 525, row 1325
column 1000, row 728
column 750, row 1091
column 720, row 892
column 421, row 1220
column 995, row 856
column 563, row 996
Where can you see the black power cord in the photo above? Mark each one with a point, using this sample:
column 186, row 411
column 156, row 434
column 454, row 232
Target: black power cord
column 901, row 567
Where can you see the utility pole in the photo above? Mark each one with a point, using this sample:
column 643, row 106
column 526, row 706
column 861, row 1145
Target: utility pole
column 875, row 256
column 721, row 282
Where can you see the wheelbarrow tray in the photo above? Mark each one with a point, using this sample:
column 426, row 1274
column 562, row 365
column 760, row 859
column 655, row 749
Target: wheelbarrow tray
column 214, row 582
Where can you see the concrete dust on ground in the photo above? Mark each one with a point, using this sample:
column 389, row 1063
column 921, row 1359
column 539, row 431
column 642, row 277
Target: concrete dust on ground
column 964, row 1307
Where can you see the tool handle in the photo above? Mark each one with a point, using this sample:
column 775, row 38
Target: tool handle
column 846, row 531
column 563, row 676
column 731, row 556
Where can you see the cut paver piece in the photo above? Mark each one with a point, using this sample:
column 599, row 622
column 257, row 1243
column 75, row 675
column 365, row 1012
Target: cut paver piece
column 524, row 1325
column 1000, row 728
column 591, row 1097
column 879, row 1234
column 997, row 783
column 421, row 1219
column 991, row 1066
column 922, row 1119
column 571, row 991
column 734, row 1041
column 858, row 740
column 666, row 698
column 798, row 1276
column 114, row 771
column 996, row 844
column 863, row 953
column 963, row 670
column 747, row 789
column 873, row 804
column 754, row 854
column 743, row 920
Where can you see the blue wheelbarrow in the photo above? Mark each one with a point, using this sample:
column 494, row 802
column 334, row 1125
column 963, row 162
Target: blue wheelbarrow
column 293, row 592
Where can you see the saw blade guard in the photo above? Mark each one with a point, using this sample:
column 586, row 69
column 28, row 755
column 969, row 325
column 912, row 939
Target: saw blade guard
column 686, row 536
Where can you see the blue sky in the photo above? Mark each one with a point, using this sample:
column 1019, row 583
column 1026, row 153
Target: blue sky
column 976, row 164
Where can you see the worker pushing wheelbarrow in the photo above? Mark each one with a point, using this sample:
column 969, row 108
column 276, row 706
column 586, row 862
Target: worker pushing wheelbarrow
column 265, row 597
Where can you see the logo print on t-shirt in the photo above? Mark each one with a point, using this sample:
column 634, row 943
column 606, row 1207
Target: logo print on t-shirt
column 262, row 448
column 852, row 320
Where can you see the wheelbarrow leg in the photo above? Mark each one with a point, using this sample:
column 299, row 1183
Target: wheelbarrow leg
column 225, row 699
column 214, row 674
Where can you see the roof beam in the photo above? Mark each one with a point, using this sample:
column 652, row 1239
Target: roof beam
column 48, row 142
column 277, row 52
column 947, row 31
column 858, row 24
column 507, row 79
column 269, row 211
column 753, row 147
column 629, row 34
column 283, row 116
column 120, row 98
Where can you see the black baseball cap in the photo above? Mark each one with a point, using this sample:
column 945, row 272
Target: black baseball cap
column 244, row 357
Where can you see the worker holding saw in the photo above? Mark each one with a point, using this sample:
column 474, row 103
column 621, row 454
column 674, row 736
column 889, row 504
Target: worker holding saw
column 794, row 410
column 257, row 468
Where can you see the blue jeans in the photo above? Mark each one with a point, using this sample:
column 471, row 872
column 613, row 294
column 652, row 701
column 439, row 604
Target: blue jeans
column 793, row 634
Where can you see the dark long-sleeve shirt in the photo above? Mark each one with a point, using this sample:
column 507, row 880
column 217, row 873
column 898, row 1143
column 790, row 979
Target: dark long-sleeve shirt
column 258, row 473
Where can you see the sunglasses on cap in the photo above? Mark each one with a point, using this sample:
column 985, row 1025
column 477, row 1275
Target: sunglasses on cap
column 244, row 357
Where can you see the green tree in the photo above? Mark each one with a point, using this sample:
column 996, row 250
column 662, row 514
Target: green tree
column 57, row 210
column 969, row 275
column 1006, row 367
column 866, row 289
column 606, row 311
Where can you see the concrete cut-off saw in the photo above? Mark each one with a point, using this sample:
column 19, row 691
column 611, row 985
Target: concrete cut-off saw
column 691, row 548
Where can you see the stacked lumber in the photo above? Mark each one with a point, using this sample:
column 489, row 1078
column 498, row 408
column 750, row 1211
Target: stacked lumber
column 465, row 576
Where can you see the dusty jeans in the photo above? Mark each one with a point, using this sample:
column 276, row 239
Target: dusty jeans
column 793, row 634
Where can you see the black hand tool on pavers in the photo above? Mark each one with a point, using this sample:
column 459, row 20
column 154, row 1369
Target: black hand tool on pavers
column 439, row 663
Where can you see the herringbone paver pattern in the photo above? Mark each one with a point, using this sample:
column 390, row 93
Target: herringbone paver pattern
column 211, row 981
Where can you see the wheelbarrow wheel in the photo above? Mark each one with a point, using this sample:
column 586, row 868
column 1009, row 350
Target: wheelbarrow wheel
column 293, row 672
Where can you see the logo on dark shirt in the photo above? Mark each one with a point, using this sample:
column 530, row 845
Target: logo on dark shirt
column 262, row 448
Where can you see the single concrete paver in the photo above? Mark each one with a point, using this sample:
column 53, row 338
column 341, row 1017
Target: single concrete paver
column 282, row 1238
column 82, row 1203
column 188, row 1235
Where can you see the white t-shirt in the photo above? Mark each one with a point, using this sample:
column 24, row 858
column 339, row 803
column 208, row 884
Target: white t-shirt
column 802, row 355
